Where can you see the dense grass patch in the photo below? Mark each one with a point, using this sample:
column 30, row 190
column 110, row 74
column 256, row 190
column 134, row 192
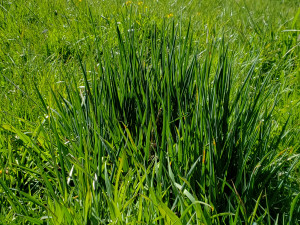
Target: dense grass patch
column 145, row 112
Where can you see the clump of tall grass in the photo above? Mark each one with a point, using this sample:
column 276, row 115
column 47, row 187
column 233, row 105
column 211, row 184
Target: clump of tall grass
column 156, row 132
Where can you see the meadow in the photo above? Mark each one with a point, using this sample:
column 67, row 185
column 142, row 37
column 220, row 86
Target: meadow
column 149, row 112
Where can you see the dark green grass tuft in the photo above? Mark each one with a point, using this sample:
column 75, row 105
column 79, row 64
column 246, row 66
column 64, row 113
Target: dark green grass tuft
column 133, row 121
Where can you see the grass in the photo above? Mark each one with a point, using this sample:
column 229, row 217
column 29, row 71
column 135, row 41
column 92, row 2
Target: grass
column 149, row 112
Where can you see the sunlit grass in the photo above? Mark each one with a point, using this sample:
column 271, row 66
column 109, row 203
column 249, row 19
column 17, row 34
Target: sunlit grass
column 149, row 112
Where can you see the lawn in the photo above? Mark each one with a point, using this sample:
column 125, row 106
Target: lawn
column 149, row 112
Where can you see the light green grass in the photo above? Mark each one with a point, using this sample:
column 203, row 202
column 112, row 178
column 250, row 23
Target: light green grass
column 149, row 112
